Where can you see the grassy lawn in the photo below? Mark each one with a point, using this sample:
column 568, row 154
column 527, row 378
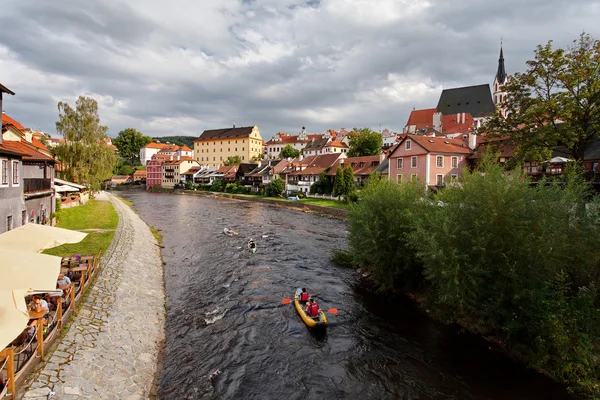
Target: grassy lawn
column 324, row 203
column 94, row 215
column 124, row 200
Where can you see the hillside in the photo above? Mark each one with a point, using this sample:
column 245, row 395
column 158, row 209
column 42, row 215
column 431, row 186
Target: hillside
column 178, row 140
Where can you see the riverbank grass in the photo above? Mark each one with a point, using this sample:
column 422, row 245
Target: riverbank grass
column 97, row 218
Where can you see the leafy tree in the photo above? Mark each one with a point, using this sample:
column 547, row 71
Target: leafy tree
column 232, row 160
column 124, row 168
column 178, row 140
column 289, row 152
column 554, row 103
column 84, row 156
column 339, row 185
column 275, row 188
column 348, row 180
column 129, row 142
column 364, row 142
column 322, row 185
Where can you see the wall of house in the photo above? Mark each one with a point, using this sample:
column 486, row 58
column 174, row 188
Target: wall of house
column 212, row 153
column 146, row 154
column 446, row 170
column 39, row 209
column 11, row 199
column 407, row 171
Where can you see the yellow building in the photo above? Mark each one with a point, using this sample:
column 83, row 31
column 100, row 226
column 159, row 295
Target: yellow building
column 173, row 169
column 214, row 146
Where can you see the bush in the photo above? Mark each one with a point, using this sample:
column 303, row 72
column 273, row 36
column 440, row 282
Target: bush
column 217, row 186
column 275, row 188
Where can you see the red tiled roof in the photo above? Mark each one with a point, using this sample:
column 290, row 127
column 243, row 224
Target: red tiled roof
column 38, row 143
column 440, row 144
column 140, row 172
column 317, row 164
column 9, row 121
column 422, row 118
column 185, row 148
column 28, row 151
column 360, row 165
column 336, row 144
column 289, row 139
column 451, row 125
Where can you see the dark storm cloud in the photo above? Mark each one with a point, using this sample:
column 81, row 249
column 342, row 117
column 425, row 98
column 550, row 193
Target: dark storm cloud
column 182, row 67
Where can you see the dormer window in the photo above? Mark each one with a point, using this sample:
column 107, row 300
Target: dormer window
column 407, row 145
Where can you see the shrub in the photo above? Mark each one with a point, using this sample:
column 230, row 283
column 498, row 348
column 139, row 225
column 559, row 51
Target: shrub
column 275, row 188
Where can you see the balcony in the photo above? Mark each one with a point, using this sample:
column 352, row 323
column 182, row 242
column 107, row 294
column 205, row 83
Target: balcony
column 35, row 185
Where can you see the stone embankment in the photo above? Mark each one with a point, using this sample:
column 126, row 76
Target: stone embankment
column 113, row 345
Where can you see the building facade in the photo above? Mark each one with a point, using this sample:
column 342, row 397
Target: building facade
column 215, row 146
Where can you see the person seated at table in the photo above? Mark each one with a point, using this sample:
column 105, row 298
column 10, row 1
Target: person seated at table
column 63, row 282
column 38, row 308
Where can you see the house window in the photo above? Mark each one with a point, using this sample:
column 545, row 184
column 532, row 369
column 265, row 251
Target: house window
column 413, row 162
column 242, row 158
column 408, row 144
column 9, row 224
column 15, row 173
column 439, row 180
column 413, row 177
column 439, row 161
column 23, row 217
column 213, row 158
column 454, row 162
column 5, row 172
column 454, row 177
column 399, row 178
column 400, row 163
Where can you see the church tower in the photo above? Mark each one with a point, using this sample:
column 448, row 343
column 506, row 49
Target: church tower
column 499, row 81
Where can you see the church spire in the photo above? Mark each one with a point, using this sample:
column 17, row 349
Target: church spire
column 501, row 74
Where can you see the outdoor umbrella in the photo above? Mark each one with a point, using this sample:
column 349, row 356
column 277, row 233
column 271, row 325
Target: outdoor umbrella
column 35, row 237
column 23, row 273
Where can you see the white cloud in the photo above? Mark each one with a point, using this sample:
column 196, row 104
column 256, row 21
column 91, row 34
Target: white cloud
column 280, row 64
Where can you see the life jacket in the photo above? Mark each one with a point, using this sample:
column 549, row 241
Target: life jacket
column 304, row 296
column 313, row 310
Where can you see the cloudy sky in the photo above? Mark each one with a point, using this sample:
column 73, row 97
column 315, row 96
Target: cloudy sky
column 181, row 66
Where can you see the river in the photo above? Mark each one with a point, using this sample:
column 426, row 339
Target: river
column 230, row 337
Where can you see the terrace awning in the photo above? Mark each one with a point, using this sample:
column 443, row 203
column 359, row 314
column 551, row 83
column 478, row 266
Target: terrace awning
column 35, row 237
column 13, row 315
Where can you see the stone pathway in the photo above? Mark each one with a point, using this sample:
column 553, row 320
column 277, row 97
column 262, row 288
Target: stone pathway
column 112, row 347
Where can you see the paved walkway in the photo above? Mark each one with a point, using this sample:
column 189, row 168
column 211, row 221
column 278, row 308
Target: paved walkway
column 112, row 347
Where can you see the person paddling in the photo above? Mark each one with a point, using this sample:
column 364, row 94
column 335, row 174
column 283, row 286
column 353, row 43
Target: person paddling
column 304, row 296
column 312, row 309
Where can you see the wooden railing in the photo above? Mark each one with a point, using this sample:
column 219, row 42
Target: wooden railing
column 32, row 185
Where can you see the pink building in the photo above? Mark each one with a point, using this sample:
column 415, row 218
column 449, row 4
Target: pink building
column 154, row 174
column 434, row 160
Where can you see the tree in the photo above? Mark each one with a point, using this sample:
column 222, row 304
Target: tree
column 348, row 180
column 129, row 142
column 275, row 188
column 289, row 152
column 322, row 185
column 85, row 156
column 232, row 160
column 554, row 103
column 364, row 142
column 339, row 185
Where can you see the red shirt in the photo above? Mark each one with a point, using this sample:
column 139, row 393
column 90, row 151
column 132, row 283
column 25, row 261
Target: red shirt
column 304, row 296
column 313, row 310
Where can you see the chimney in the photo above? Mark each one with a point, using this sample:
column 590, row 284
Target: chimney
column 437, row 121
column 472, row 141
column 234, row 125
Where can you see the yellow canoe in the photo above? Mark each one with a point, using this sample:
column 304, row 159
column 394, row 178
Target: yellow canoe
column 311, row 322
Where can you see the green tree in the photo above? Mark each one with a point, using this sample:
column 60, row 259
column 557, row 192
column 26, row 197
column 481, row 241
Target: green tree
column 289, row 152
column 84, row 156
column 232, row 160
column 364, row 142
column 339, row 185
column 275, row 188
column 554, row 103
column 129, row 142
column 322, row 185
column 348, row 180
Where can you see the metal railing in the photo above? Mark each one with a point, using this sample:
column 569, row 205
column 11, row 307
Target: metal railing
column 32, row 185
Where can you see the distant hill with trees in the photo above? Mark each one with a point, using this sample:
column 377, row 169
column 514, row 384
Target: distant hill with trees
column 178, row 140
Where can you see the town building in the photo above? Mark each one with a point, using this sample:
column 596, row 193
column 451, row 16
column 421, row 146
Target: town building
column 297, row 142
column 174, row 169
column 215, row 146
column 433, row 160
column 154, row 172
column 362, row 167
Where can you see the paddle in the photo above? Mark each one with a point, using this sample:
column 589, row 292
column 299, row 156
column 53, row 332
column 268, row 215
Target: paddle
column 330, row 311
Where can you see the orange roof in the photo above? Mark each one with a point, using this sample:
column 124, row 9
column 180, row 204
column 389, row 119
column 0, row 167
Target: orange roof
column 289, row 139
column 337, row 144
column 28, row 151
column 140, row 172
column 422, row 118
column 38, row 143
column 450, row 124
column 9, row 121
column 155, row 145
column 317, row 164
column 185, row 148
column 439, row 144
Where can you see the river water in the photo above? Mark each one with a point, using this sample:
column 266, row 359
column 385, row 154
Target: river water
column 230, row 337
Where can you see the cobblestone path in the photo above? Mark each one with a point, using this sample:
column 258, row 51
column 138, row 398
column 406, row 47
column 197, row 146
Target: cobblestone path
column 112, row 347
